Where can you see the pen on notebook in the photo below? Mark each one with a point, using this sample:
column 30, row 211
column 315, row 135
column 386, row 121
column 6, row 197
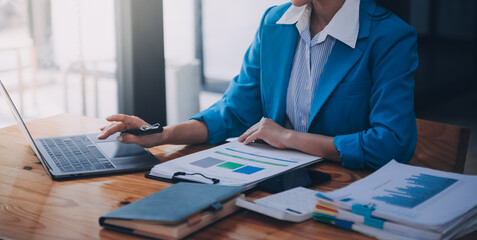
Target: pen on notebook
column 145, row 130
column 293, row 211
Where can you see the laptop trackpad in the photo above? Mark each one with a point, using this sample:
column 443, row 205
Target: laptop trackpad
column 117, row 150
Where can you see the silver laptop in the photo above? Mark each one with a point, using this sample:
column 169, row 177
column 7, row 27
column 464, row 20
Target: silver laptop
column 83, row 155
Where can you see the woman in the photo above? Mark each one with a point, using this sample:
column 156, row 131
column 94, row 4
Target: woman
column 332, row 78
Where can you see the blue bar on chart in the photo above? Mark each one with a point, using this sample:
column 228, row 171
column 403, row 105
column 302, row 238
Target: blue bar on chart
column 418, row 190
column 248, row 170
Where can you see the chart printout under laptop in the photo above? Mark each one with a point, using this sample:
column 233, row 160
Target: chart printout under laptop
column 235, row 163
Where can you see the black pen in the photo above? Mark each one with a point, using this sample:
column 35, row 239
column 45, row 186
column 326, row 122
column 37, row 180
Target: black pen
column 145, row 130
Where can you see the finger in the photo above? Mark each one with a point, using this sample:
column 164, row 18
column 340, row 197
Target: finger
column 128, row 138
column 112, row 129
column 102, row 128
column 117, row 117
column 143, row 141
column 120, row 118
column 129, row 121
column 252, row 137
column 247, row 133
column 100, row 136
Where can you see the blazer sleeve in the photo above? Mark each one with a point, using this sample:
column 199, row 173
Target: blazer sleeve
column 240, row 107
column 392, row 133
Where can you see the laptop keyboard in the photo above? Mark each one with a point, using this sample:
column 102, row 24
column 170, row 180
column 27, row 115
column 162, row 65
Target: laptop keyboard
column 76, row 154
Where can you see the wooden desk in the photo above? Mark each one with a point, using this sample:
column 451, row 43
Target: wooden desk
column 32, row 206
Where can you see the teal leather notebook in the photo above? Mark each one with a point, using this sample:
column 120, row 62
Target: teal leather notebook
column 175, row 203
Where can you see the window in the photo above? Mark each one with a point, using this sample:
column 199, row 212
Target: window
column 228, row 28
column 58, row 56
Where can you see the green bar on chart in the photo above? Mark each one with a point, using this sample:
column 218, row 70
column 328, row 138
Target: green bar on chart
column 230, row 165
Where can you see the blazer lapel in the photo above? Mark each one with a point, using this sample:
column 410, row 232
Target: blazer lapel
column 340, row 62
column 278, row 50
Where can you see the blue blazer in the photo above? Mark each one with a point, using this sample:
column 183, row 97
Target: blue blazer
column 364, row 97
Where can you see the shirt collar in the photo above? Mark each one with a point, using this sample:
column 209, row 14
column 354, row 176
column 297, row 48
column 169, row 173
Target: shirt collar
column 344, row 26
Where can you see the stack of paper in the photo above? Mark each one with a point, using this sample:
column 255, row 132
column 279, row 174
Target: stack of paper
column 295, row 205
column 404, row 202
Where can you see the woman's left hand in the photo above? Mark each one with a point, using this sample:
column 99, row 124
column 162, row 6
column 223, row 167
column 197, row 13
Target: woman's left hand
column 268, row 131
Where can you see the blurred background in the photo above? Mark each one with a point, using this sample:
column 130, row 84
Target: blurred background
column 166, row 60
column 60, row 56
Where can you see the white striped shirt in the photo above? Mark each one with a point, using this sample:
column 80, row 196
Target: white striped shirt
column 311, row 55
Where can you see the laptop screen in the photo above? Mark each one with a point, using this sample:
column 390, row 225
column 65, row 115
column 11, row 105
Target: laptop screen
column 20, row 122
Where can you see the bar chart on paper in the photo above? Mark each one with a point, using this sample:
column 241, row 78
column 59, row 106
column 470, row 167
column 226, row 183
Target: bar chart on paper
column 233, row 166
column 418, row 189
column 235, row 163
column 239, row 161
column 400, row 201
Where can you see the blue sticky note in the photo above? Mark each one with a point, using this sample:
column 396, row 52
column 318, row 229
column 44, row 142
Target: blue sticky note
column 374, row 222
column 362, row 210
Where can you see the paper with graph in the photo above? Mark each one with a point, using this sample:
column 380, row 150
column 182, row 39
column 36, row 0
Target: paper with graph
column 234, row 164
column 414, row 196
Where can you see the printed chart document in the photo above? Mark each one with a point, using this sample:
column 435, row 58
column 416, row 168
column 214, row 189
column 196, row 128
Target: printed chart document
column 234, row 163
column 442, row 202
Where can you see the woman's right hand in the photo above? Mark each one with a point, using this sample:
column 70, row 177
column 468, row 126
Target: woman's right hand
column 121, row 122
